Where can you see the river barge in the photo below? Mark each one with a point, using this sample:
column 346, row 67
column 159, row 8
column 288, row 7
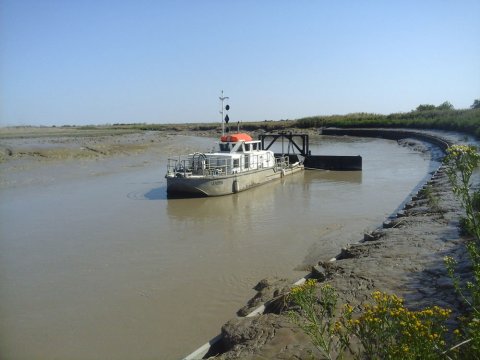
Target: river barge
column 239, row 164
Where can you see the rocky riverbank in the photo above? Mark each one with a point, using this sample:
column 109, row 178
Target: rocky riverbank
column 404, row 257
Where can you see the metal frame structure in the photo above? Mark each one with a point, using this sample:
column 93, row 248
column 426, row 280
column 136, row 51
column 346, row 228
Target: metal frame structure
column 303, row 148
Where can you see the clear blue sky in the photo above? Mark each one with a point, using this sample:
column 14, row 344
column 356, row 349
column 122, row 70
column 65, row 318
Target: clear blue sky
column 99, row 61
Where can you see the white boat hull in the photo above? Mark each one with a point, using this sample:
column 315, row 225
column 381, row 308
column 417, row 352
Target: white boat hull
column 228, row 184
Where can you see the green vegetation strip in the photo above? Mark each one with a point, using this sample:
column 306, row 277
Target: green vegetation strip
column 442, row 117
column 466, row 121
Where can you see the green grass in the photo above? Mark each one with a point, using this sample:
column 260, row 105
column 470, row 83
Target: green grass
column 467, row 121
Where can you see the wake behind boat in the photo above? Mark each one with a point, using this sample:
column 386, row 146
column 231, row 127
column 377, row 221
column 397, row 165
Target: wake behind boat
column 239, row 164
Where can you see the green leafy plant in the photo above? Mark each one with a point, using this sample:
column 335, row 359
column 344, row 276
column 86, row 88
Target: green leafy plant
column 316, row 317
column 461, row 162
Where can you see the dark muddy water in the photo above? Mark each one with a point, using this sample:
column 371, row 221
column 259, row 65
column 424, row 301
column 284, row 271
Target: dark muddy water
column 106, row 266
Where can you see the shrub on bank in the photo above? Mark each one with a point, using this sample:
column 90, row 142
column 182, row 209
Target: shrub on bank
column 385, row 329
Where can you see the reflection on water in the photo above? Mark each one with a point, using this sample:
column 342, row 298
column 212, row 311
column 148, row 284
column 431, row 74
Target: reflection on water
column 312, row 176
column 157, row 194
column 93, row 273
column 257, row 200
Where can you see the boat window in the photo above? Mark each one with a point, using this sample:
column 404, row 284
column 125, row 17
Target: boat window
column 236, row 163
column 247, row 161
column 247, row 147
column 225, row 147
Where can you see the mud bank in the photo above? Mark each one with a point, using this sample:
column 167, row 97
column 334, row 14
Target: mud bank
column 41, row 156
column 55, row 145
column 404, row 256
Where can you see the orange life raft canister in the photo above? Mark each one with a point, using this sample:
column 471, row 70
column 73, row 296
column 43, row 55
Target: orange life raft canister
column 236, row 137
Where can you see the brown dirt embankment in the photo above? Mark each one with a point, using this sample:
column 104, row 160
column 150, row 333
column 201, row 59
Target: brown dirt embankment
column 404, row 257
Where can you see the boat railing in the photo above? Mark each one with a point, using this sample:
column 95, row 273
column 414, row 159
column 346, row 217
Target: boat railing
column 178, row 166
column 217, row 166
column 199, row 165
column 282, row 162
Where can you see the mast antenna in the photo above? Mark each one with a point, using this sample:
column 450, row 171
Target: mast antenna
column 222, row 99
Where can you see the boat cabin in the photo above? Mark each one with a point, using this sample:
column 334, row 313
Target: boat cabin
column 242, row 153
column 237, row 153
column 239, row 143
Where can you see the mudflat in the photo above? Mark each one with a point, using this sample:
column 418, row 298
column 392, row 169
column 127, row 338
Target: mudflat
column 25, row 152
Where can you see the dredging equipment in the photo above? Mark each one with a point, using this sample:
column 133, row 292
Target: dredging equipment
column 300, row 142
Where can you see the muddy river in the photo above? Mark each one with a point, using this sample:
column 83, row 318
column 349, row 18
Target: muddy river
column 105, row 266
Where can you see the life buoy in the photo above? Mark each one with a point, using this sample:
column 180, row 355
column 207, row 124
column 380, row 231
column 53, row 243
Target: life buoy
column 236, row 187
